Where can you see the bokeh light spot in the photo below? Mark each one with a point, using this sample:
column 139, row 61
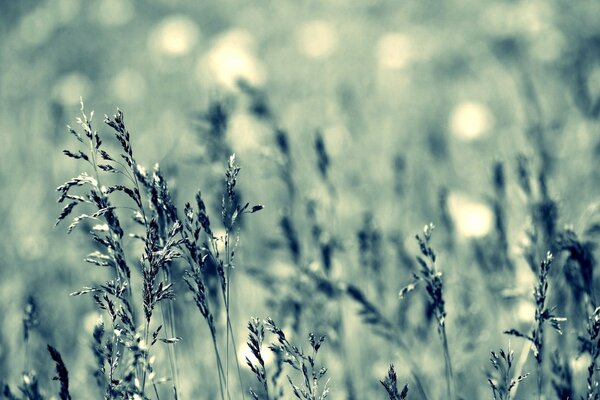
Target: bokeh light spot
column 232, row 59
column 245, row 352
column 470, row 120
column 317, row 39
column 472, row 218
column 176, row 35
column 525, row 311
column 394, row 51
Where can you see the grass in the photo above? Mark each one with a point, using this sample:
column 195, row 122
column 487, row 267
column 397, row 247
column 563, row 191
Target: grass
column 157, row 258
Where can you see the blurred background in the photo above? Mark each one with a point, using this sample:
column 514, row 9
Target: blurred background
column 395, row 114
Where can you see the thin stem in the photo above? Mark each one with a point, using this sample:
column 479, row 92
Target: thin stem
column 147, row 355
column 171, row 312
column 237, row 362
column 228, row 274
column 110, row 369
column 167, row 316
column 539, row 359
column 26, row 361
column 539, row 383
column 450, row 385
column 213, row 336
column 219, row 362
column 230, row 334
column 155, row 390
column 228, row 312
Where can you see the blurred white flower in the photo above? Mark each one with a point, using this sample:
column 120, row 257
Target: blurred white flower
column 232, row 59
column 176, row 35
column 394, row 51
column 471, row 218
column 317, row 39
column 470, row 120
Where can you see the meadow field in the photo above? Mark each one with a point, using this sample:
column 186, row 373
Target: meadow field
column 299, row 200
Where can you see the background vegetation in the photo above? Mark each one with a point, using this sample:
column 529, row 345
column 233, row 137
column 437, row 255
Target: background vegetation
column 354, row 124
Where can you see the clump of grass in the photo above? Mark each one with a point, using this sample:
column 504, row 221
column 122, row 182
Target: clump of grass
column 129, row 352
column 372, row 316
column 166, row 238
column 590, row 344
column 201, row 248
column 502, row 380
column 115, row 297
column 390, row 383
column 434, row 285
column 306, row 364
column 256, row 337
column 285, row 353
column 134, row 292
column 543, row 315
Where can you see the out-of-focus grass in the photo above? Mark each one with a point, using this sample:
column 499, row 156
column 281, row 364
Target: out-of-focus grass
column 448, row 89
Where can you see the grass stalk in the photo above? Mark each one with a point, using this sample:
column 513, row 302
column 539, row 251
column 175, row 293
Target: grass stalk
column 230, row 337
column 227, row 334
column 221, row 374
column 167, row 317
column 146, row 356
column 450, row 384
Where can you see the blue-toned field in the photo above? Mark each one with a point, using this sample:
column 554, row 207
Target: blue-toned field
column 354, row 125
